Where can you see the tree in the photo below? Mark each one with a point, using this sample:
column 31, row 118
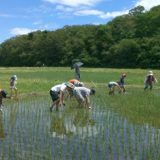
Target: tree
column 124, row 54
column 130, row 40
column 136, row 11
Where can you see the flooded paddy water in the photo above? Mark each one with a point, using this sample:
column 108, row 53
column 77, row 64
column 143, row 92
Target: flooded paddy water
column 28, row 131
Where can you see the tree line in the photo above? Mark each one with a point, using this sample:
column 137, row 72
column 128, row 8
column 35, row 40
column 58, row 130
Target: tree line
column 128, row 41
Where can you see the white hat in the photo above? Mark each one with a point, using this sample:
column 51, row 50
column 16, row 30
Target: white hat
column 70, row 85
column 150, row 73
column 14, row 77
column 81, row 84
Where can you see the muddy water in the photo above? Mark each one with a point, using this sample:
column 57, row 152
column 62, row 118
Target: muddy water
column 29, row 131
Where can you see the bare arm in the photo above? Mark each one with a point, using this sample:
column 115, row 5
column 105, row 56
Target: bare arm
column 87, row 99
column 120, row 89
column 61, row 97
column 155, row 80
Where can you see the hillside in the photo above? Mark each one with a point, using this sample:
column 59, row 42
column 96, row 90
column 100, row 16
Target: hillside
column 130, row 41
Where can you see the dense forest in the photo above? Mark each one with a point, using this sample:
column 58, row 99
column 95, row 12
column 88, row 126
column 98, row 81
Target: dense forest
column 128, row 41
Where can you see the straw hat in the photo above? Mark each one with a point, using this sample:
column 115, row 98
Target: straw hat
column 124, row 75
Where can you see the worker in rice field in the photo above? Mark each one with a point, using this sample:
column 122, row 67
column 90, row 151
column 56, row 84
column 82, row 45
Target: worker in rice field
column 57, row 93
column 76, row 82
column 76, row 64
column 3, row 94
column 112, row 85
column 77, row 72
column 13, row 88
column 122, row 83
column 82, row 95
column 149, row 80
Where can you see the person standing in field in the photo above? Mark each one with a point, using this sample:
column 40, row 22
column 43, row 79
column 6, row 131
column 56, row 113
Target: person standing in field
column 76, row 64
column 77, row 72
column 3, row 94
column 112, row 85
column 82, row 95
column 13, row 88
column 57, row 94
column 149, row 80
column 122, row 83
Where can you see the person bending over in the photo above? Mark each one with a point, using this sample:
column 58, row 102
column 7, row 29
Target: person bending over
column 112, row 85
column 82, row 95
column 57, row 93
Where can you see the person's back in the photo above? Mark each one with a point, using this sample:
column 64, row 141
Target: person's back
column 57, row 87
column 57, row 94
column 111, row 86
column 76, row 83
column 82, row 90
column 150, row 79
column 73, row 81
column 82, row 95
column 112, row 83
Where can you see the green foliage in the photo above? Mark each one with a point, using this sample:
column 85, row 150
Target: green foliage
column 136, row 11
column 130, row 40
column 124, row 54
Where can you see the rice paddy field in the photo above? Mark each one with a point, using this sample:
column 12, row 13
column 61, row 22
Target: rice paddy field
column 119, row 127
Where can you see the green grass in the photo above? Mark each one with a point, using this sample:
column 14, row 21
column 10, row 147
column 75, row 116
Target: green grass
column 137, row 106
column 113, row 129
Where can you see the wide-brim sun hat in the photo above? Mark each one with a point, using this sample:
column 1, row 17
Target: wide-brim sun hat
column 150, row 72
column 124, row 75
column 15, row 77
column 81, row 84
column 70, row 85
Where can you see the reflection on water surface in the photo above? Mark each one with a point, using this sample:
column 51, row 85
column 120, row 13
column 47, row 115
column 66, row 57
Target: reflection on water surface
column 29, row 131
